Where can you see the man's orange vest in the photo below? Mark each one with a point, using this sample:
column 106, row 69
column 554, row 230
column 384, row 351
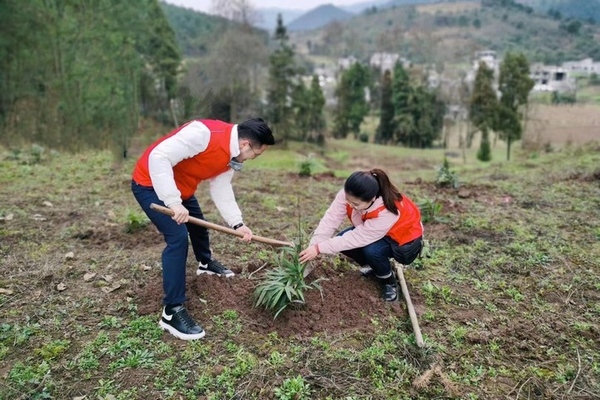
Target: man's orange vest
column 407, row 228
column 190, row 172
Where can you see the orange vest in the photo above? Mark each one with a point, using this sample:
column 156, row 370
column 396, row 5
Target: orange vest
column 407, row 228
column 190, row 172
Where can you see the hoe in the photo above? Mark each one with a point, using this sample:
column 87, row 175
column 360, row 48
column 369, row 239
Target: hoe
column 220, row 228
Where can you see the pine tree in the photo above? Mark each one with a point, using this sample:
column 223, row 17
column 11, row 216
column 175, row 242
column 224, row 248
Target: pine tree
column 281, row 73
column 402, row 93
column 316, row 119
column 386, row 128
column 514, row 85
column 483, row 107
column 352, row 105
column 418, row 113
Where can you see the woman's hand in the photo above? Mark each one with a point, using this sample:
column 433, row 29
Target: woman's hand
column 309, row 253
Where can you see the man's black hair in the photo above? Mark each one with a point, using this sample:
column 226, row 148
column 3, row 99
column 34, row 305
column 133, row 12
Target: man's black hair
column 257, row 131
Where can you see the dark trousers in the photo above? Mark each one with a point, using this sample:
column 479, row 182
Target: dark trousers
column 377, row 254
column 175, row 254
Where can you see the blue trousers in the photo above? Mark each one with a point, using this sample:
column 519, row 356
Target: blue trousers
column 377, row 254
column 174, row 256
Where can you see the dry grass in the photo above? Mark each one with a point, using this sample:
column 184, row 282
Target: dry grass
column 563, row 124
column 547, row 125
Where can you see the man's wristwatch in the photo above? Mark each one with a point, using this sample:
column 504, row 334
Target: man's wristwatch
column 238, row 226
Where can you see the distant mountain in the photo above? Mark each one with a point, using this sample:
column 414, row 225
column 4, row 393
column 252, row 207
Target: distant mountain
column 358, row 8
column 269, row 17
column 319, row 17
column 194, row 30
column 581, row 9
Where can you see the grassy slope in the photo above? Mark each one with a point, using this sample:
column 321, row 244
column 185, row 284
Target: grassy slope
column 508, row 297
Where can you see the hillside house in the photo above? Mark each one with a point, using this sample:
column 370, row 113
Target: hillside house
column 489, row 57
column 586, row 66
column 551, row 78
column 346, row 62
column 434, row 79
column 387, row 61
column 491, row 60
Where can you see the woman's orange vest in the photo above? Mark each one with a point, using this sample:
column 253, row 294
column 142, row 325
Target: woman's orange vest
column 407, row 228
column 190, row 172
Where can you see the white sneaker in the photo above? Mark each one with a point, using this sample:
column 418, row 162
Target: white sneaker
column 213, row 267
column 180, row 324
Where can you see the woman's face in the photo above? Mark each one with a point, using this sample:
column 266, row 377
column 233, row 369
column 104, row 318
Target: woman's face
column 358, row 204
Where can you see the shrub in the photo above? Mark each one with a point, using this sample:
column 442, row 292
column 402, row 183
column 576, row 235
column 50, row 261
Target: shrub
column 135, row 222
column 485, row 151
column 445, row 177
column 430, row 210
column 306, row 166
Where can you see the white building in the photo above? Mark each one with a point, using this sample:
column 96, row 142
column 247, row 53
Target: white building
column 551, row 78
column 585, row 66
column 386, row 61
column 346, row 62
column 490, row 59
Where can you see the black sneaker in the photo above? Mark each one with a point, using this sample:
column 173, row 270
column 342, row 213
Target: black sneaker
column 180, row 324
column 390, row 292
column 214, row 268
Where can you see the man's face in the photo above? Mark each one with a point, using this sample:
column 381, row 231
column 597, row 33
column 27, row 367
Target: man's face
column 248, row 151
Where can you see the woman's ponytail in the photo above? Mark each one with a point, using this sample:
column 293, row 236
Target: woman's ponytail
column 388, row 192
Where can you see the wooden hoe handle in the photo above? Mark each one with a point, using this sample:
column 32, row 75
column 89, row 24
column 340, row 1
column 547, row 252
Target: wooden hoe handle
column 220, row 228
column 411, row 310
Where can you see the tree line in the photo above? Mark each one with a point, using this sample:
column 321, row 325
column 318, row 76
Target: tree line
column 80, row 74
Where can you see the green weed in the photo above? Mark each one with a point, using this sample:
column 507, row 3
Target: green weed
column 32, row 380
column 53, row 349
column 135, row 221
column 514, row 293
column 136, row 358
column 430, row 211
column 293, row 389
column 276, row 358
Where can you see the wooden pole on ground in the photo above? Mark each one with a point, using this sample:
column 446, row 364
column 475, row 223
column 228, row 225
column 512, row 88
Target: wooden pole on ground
column 411, row 310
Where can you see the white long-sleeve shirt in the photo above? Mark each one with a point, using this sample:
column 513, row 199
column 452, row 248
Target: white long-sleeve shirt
column 189, row 141
column 364, row 233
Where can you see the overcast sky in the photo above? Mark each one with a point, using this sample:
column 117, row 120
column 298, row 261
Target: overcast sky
column 205, row 5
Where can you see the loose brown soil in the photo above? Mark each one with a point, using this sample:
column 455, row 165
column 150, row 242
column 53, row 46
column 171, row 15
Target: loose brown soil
column 68, row 265
column 348, row 302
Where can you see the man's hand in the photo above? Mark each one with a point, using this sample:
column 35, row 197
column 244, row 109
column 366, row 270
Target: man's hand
column 181, row 214
column 247, row 233
column 309, row 253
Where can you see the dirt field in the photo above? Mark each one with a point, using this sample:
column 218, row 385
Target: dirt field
column 547, row 125
column 507, row 298
column 560, row 125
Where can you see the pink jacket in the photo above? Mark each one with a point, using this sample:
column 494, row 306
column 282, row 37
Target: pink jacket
column 364, row 233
